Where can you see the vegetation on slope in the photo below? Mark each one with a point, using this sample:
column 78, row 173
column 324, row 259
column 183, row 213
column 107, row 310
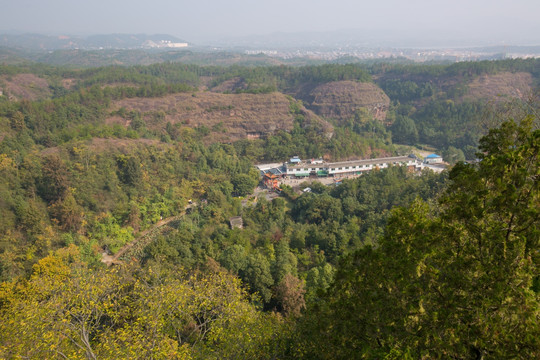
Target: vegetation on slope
column 353, row 271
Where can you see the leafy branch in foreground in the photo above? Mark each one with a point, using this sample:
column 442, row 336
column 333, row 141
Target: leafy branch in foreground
column 447, row 281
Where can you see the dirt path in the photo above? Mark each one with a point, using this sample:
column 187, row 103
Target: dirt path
column 115, row 259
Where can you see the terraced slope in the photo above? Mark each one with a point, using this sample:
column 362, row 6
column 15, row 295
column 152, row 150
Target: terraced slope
column 229, row 116
column 502, row 86
column 340, row 100
column 24, row 86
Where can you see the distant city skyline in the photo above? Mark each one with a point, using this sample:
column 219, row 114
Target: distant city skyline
column 472, row 22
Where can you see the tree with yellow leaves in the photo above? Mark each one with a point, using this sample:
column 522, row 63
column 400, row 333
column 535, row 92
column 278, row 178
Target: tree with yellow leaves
column 70, row 311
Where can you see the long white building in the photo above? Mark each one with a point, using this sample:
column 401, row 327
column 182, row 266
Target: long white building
column 304, row 169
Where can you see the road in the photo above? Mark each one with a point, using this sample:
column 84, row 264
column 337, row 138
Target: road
column 115, row 259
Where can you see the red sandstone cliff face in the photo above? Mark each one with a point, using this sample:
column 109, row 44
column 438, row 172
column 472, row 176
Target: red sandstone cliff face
column 340, row 100
column 500, row 87
column 229, row 116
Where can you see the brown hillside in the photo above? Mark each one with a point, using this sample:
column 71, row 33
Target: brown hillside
column 339, row 100
column 500, row 86
column 25, row 86
column 229, row 116
column 230, row 85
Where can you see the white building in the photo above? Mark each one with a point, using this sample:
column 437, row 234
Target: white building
column 349, row 167
column 433, row 159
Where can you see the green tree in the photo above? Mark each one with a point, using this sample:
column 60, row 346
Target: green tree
column 454, row 281
column 54, row 182
column 453, row 155
column 109, row 233
column 234, row 258
column 243, row 184
column 66, row 310
column 404, row 130
column 129, row 170
column 285, row 262
column 258, row 276
column 17, row 121
column 319, row 279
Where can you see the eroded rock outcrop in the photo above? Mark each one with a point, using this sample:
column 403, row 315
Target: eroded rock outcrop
column 340, row 100
column 229, row 117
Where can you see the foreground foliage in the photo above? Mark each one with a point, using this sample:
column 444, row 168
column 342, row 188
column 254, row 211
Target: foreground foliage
column 456, row 280
column 70, row 311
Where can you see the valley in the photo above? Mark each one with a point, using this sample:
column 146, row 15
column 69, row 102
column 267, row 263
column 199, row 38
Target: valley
column 133, row 223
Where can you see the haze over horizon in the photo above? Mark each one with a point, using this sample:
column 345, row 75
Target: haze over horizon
column 415, row 23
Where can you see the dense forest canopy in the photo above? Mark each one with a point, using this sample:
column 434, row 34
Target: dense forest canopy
column 390, row 264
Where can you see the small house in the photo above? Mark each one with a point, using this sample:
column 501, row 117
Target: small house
column 295, row 160
column 433, row 159
column 236, row 222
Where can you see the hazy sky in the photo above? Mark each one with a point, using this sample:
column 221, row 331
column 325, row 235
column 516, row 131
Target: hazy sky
column 497, row 21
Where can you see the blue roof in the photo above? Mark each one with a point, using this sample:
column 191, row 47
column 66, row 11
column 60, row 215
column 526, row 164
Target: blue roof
column 295, row 159
column 433, row 156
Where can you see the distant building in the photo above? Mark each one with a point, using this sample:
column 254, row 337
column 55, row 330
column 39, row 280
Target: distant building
column 254, row 135
column 163, row 44
column 433, row 159
column 271, row 180
column 296, row 168
column 264, row 168
column 236, row 222
column 295, row 160
column 354, row 167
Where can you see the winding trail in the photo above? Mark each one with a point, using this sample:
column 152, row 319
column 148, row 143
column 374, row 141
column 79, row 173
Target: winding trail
column 115, row 259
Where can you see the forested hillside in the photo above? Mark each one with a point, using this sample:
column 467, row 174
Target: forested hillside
column 448, row 107
column 391, row 264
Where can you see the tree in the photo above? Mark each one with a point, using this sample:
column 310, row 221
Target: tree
column 63, row 313
column 129, row 170
column 319, row 279
column 243, row 184
column 68, row 213
column 258, row 276
column 404, row 130
column 54, row 182
column 290, row 295
column 66, row 310
column 234, row 258
column 453, row 155
column 453, row 281
column 17, row 121
column 316, row 209
column 285, row 262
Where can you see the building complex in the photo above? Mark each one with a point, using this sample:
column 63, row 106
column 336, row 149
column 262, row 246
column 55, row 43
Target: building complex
column 353, row 167
column 316, row 168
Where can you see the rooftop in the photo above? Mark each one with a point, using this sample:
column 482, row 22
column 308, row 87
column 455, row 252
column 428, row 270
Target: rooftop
column 355, row 162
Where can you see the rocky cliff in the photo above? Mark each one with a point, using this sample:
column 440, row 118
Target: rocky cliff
column 341, row 99
column 229, row 116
